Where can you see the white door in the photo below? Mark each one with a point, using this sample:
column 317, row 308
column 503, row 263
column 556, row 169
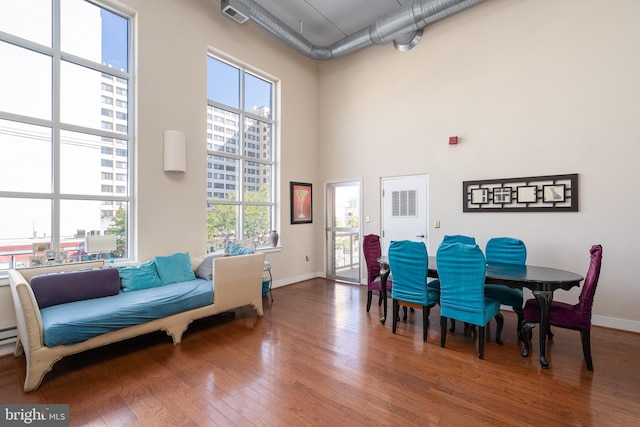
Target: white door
column 405, row 209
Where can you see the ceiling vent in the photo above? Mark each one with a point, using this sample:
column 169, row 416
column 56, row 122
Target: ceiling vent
column 233, row 11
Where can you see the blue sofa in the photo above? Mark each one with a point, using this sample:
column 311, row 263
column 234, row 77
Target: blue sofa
column 69, row 308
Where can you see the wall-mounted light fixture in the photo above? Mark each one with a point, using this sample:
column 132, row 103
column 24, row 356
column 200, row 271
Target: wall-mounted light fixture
column 175, row 151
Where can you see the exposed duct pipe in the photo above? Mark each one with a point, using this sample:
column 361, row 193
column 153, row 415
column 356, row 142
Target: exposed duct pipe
column 403, row 27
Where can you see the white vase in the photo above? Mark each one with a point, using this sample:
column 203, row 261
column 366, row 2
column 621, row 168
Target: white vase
column 273, row 238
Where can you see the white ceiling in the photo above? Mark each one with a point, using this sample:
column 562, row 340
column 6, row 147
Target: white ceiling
column 324, row 22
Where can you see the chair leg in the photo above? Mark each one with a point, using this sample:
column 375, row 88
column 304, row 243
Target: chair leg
column 396, row 309
column 481, row 342
column 520, row 313
column 404, row 317
column 585, row 335
column 453, row 326
column 369, row 296
column 380, row 299
column 500, row 321
column 526, row 336
column 443, row 330
column 425, row 322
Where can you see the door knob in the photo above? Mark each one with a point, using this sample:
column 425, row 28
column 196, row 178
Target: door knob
column 420, row 236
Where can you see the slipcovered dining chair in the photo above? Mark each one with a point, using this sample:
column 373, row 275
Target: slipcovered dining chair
column 409, row 263
column 506, row 250
column 462, row 270
column 372, row 251
column 453, row 238
column 563, row 315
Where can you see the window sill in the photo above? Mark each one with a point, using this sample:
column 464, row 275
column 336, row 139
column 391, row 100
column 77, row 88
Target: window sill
column 269, row 250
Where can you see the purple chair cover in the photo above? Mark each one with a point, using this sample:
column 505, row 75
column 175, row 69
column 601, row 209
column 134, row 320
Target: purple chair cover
column 576, row 317
column 372, row 251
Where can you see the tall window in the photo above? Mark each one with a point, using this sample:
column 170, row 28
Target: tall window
column 240, row 111
column 60, row 129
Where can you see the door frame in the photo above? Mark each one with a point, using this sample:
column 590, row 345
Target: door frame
column 329, row 256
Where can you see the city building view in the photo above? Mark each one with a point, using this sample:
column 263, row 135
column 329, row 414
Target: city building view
column 240, row 150
column 65, row 133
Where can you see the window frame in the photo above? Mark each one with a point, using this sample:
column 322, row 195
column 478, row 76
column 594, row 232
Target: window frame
column 57, row 126
column 241, row 155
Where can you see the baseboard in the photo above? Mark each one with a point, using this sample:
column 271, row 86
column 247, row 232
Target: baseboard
column 296, row 279
column 605, row 322
column 7, row 347
column 614, row 323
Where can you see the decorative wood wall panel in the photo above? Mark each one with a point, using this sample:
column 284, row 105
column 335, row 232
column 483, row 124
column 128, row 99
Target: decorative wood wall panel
column 551, row 193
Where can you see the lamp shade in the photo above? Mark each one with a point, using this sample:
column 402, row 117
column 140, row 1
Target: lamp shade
column 175, row 151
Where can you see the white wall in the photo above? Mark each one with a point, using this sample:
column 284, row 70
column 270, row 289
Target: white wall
column 534, row 87
column 173, row 38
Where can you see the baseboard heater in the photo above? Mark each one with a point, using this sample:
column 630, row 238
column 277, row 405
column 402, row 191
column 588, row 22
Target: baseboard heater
column 8, row 335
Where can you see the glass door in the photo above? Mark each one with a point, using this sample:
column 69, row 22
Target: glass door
column 343, row 231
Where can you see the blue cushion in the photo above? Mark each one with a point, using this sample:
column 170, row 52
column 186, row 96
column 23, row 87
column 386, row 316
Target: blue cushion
column 138, row 277
column 174, row 268
column 235, row 249
column 60, row 288
column 81, row 320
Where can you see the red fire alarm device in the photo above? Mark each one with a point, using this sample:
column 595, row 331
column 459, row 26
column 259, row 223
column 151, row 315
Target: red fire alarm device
column 453, row 140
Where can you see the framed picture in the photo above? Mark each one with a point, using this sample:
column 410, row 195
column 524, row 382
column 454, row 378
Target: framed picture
column 36, row 261
column 301, row 200
column 41, row 247
column 479, row 196
column 527, row 194
column 553, row 193
column 50, row 255
column 502, row 195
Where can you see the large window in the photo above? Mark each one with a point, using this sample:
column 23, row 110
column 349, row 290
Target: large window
column 59, row 129
column 241, row 104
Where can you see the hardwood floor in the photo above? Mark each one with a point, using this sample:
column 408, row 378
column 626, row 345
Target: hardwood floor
column 318, row 358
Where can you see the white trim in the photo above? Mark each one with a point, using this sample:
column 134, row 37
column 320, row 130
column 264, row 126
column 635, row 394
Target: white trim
column 7, row 347
column 615, row 323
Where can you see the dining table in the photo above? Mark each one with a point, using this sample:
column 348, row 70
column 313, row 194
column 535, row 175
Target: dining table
column 542, row 281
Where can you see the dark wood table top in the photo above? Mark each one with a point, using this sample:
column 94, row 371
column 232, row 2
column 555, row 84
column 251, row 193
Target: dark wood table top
column 517, row 276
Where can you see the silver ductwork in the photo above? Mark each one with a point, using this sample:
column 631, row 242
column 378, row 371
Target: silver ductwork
column 402, row 27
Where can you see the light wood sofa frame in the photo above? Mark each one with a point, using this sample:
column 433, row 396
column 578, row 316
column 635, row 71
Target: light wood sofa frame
column 238, row 283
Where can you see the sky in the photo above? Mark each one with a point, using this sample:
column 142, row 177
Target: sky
column 114, row 40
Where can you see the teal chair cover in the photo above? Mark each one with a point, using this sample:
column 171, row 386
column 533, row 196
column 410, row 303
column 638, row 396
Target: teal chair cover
column 453, row 238
column 462, row 270
column 507, row 250
column 409, row 264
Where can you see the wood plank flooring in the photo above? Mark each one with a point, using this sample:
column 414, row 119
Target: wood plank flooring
column 317, row 358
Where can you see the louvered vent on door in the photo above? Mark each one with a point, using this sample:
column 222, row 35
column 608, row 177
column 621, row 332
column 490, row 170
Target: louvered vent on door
column 404, row 203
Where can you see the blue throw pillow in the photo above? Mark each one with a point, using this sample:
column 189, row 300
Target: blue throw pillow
column 138, row 277
column 174, row 268
column 235, row 249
